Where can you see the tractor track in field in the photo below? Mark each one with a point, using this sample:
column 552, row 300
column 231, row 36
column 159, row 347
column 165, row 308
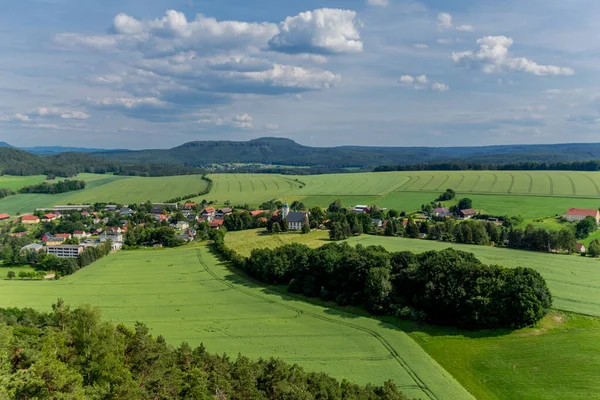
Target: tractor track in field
column 551, row 184
column 410, row 178
column 531, row 184
column 494, row 182
column 264, row 185
column 573, row 188
column 427, row 183
column 442, row 184
column 420, row 384
column 594, row 183
column 462, row 179
column 512, row 183
column 476, row 182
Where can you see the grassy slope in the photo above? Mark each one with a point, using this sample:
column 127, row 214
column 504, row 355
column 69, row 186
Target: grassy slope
column 122, row 189
column 17, row 182
column 185, row 299
column 555, row 360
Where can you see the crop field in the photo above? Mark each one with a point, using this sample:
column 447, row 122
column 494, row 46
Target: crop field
column 17, row 182
column 531, row 194
column 119, row 189
column 573, row 280
column 555, row 360
column 186, row 294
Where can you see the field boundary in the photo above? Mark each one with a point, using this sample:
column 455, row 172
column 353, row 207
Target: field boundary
column 418, row 382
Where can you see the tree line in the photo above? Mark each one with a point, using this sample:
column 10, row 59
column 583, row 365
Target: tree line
column 208, row 188
column 74, row 354
column 590, row 165
column 448, row 287
column 54, row 188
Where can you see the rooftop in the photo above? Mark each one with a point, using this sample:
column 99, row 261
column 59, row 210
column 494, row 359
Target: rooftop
column 582, row 211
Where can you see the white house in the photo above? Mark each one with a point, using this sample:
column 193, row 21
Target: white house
column 578, row 214
column 295, row 220
column 65, row 250
column 181, row 225
column 81, row 235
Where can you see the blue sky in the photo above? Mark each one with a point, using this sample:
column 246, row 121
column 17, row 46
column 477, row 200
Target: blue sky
column 158, row 73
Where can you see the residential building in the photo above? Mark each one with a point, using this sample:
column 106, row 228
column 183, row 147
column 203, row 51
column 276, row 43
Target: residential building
column 441, row 212
column 55, row 240
column 181, row 225
column 161, row 217
column 189, row 206
column 4, row 217
column 126, row 211
column 49, row 217
column 216, row 224
column 258, row 212
column 222, row 212
column 111, row 234
column 577, row 214
column 111, row 208
column 96, row 220
column 295, row 220
column 29, row 219
column 85, row 214
column 377, row 223
column 580, row 248
column 64, row 235
column 65, row 251
column 163, row 206
column 467, row 214
column 71, row 208
column 208, row 213
column 360, row 209
column 81, row 235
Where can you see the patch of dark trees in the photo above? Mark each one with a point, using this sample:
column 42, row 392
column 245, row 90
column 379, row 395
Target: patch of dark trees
column 74, row 354
column 54, row 188
column 591, row 165
column 209, row 184
column 448, row 287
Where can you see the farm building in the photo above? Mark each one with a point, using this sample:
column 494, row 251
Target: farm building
column 580, row 248
column 4, row 217
column 578, row 214
column 30, row 219
column 222, row 212
column 360, row 209
column 441, row 212
column 467, row 214
column 208, row 213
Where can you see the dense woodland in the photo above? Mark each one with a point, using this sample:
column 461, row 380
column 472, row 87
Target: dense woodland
column 54, row 188
column 448, row 287
column 73, row 354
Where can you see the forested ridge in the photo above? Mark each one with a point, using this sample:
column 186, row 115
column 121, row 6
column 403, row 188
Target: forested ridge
column 73, row 354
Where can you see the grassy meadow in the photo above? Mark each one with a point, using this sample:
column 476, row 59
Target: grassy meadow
column 17, row 182
column 99, row 188
column 186, row 294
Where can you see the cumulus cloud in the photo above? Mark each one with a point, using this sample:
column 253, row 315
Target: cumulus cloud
column 439, row 87
column 322, row 31
column 493, row 56
column 45, row 112
column 445, row 22
column 420, row 82
column 237, row 121
column 378, row 3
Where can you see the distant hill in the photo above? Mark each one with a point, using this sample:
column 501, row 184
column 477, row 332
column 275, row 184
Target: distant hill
column 4, row 144
column 50, row 150
column 287, row 152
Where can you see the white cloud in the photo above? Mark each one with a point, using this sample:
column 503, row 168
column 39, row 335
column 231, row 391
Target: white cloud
column 378, row 3
column 445, row 41
column 421, row 79
column 237, row 121
column 465, row 28
column 421, row 46
column 62, row 113
column 406, row 79
column 322, row 31
column 15, row 117
column 493, row 56
column 439, row 87
column 128, row 102
column 444, row 21
column 271, row 127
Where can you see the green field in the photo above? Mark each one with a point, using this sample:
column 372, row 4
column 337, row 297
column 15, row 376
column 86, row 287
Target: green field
column 186, row 294
column 558, row 359
column 17, row 182
column 573, row 280
column 532, row 194
column 109, row 188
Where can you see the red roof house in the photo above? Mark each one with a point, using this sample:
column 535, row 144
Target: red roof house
column 216, row 224
column 30, row 219
column 63, row 235
column 4, row 216
column 577, row 214
column 257, row 212
column 49, row 217
column 580, row 247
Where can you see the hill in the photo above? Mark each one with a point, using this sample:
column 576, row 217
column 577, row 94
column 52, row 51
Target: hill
column 4, row 144
column 50, row 150
column 280, row 151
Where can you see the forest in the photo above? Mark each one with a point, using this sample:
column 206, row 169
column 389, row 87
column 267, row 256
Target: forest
column 74, row 354
column 448, row 287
